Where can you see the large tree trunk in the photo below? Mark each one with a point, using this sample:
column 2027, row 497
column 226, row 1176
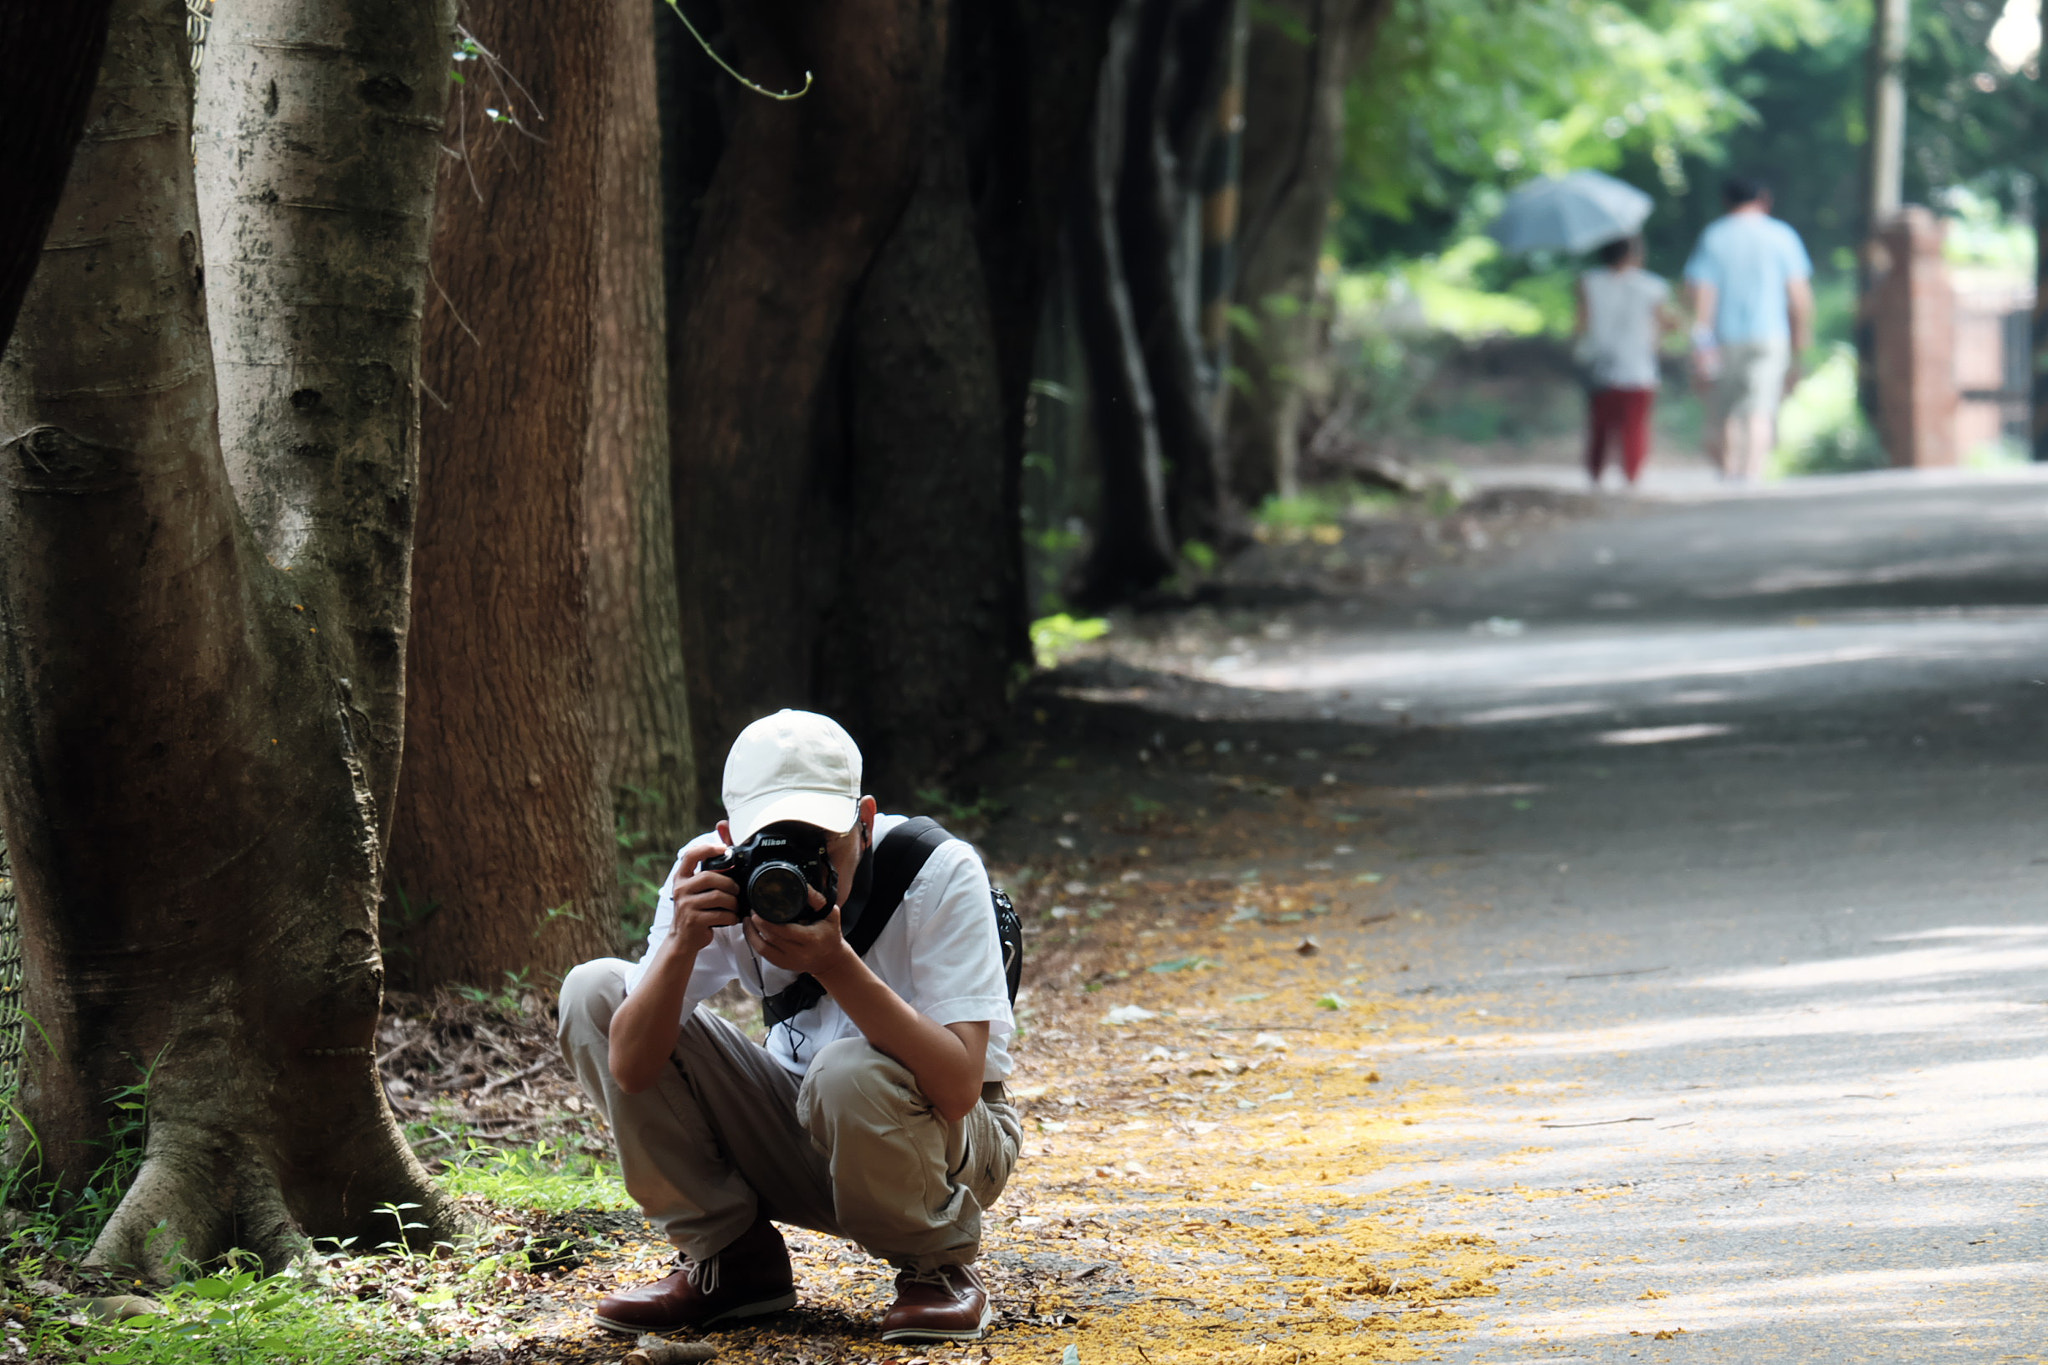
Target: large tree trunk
column 1182, row 51
column 1025, row 74
column 922, row 640
column 49, row 59
column 503, row 849
column 1293, row 144
column 865, row 271
column 193, row 739
column 1133, row 547
column 640, row 709
column 804, row 194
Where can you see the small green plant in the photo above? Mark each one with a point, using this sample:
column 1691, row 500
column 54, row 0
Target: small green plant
column 239, row 1316
column 565, row 911
column 1318, row 513
column 397, row 918
column 1055, row 637
column 61, row 1223
column 507, row 997
column 954, row 812
column 541, row 1177
column 642, row 867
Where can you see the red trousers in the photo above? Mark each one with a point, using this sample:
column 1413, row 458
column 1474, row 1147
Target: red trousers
column 1624, row 416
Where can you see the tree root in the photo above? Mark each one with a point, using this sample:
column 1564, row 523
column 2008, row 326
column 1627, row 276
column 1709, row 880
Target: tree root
column 203, row 1192
column 199, row 1192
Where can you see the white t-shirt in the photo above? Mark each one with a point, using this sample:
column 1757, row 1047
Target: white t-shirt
column 1620, row 344
column 939, row 952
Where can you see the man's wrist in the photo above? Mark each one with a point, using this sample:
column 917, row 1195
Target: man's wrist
column 843, row 963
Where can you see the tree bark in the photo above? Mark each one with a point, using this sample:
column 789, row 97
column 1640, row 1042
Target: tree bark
column 922, row 640
column 1025, row 73
column 1173, row 72
column 801, row 199
column 503, row 849
column 1133, row 548
column 49, row 60
column 1293, row 145
column 640, row 706
column 188, row 771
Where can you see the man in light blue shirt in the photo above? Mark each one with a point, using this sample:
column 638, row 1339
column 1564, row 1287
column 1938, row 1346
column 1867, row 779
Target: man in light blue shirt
column 1751, row 287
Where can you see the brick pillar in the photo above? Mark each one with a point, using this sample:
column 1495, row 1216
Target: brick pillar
column 1913, row 310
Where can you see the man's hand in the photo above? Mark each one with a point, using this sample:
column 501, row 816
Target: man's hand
column 1793, row 374
column 703, row 900
column 815, row 948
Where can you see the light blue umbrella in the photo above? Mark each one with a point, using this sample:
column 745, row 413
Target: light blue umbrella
column 1575, row 212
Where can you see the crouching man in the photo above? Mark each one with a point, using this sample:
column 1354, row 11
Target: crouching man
column 874, row 1112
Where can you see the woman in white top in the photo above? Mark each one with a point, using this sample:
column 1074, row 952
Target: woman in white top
column 1623, row 313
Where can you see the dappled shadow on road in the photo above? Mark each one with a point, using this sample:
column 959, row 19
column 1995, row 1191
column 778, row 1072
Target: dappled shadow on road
column 1706, row 835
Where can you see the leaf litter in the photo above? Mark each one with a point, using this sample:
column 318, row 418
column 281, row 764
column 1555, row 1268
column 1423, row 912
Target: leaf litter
column 1189, row 1187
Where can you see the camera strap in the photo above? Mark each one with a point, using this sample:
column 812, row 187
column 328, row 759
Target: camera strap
column 887, row 871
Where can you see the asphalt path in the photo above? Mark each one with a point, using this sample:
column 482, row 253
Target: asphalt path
column 1723, row 847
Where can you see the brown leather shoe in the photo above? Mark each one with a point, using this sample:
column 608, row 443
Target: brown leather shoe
column 946, row 1304
column 748, row 1278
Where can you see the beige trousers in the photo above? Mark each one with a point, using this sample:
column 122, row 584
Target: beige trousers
column 854, row 1150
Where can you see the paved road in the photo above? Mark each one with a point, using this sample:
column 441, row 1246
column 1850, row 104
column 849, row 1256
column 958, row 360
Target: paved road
column 1724, row 822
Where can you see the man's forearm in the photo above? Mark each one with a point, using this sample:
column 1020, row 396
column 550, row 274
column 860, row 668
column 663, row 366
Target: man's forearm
column 1799, row 308
column 644, row 1028
column 946, row 1069
column 1702, row 299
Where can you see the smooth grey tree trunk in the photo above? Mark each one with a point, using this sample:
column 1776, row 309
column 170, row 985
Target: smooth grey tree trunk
column 200, row 692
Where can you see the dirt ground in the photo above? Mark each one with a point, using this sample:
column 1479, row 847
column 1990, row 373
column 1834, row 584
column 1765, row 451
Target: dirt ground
column 1213, row 985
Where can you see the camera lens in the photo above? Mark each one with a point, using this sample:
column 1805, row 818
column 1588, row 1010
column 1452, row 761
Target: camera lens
column 779, row 893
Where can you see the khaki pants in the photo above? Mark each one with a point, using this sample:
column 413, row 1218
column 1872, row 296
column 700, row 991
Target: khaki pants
column 727, row 1135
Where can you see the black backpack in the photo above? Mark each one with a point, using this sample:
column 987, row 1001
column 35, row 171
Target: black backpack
column 898, row 858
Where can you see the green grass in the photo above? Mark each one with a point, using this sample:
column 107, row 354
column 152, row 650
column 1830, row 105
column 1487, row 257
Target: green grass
column 542, row 1178
column 238, row 1316
column 1326, row 505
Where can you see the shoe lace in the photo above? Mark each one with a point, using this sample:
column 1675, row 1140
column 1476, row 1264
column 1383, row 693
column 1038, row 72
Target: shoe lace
column 702, row 1275
column 935, row 1275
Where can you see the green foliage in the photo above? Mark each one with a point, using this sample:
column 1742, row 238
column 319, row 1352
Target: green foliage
column 1472, row 95
column 61, row 1223
column 1981, row 233
column 1820, row 428
column 955, row 813
column 542, row 1177
column 397, row 917
column 1324, row 508
column 1054, row 637
column 239, row 1316
column 506, row 999
column 643, row 865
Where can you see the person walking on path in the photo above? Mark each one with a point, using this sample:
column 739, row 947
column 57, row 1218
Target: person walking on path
column 1622, row 315
column 1752, row 303
column 875, row 1109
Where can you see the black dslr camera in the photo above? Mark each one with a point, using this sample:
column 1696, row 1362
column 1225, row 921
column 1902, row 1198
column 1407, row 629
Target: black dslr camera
column 776, row 871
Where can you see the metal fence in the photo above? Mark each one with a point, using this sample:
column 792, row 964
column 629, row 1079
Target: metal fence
column 198, row 18
column 10, row 980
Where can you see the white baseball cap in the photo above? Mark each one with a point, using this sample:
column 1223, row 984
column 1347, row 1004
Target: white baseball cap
column 793, row 765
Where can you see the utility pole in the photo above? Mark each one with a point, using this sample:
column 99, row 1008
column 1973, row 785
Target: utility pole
column 1883, row 174
column 2037, row 404
column 1891, row 21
